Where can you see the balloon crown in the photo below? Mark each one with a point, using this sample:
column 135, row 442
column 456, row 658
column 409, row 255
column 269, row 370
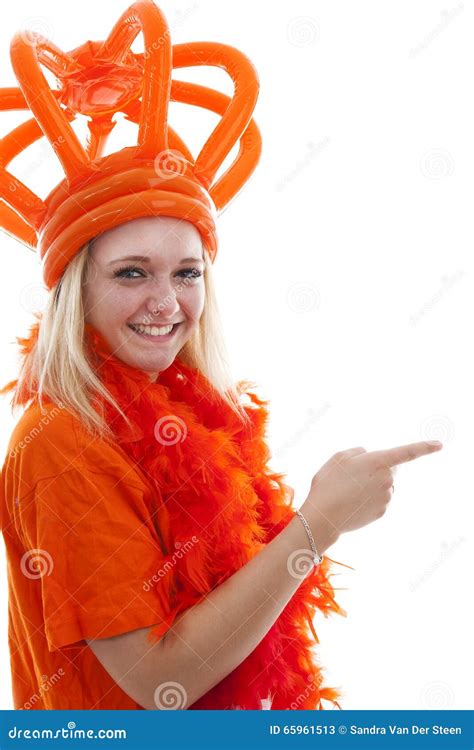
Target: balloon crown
column 158, row 176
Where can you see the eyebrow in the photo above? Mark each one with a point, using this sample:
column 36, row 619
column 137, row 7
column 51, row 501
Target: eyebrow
column 146, row 259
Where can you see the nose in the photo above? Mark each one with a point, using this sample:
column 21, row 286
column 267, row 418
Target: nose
column 163, row 302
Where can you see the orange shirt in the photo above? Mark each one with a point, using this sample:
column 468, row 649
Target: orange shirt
column 83, row 557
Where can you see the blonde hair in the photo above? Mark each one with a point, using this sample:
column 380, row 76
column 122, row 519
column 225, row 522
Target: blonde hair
column 58, row 368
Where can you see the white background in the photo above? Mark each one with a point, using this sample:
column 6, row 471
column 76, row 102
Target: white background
column 345, row 281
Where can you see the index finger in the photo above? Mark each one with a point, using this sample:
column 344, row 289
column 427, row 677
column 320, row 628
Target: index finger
column 404, row 453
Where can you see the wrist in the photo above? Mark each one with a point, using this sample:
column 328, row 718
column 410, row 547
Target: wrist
column 324, row 533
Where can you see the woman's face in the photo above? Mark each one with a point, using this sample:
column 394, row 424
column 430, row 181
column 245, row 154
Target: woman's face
column 162, row 285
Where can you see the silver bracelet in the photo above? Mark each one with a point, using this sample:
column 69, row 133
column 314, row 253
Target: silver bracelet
column 317, row 558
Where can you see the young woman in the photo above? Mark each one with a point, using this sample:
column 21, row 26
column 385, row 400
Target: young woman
column 111, row 541
column 154, row 559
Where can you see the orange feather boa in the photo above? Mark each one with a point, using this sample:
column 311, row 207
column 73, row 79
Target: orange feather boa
column 212, row 482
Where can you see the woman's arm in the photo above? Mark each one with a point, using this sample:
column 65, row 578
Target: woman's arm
column 209, row 640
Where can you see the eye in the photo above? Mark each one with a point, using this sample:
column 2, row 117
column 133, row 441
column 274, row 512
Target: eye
column 195, row 273
column 122, row 272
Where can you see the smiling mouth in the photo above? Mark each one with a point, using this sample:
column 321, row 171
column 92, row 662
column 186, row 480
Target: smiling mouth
column 157, row 337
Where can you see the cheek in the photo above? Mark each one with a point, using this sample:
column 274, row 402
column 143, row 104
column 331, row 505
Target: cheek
column 192, row 301
column 108, row 302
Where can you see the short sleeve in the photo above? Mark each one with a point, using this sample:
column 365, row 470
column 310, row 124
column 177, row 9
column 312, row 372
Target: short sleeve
column 93, row 539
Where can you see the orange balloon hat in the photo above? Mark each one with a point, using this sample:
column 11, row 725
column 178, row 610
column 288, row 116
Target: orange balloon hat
column 158, row 176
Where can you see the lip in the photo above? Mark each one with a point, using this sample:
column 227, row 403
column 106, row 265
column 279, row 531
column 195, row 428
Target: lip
column 156, row 339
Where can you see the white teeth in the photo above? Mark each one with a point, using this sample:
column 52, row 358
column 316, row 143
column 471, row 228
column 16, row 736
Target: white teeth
column 153, row 330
